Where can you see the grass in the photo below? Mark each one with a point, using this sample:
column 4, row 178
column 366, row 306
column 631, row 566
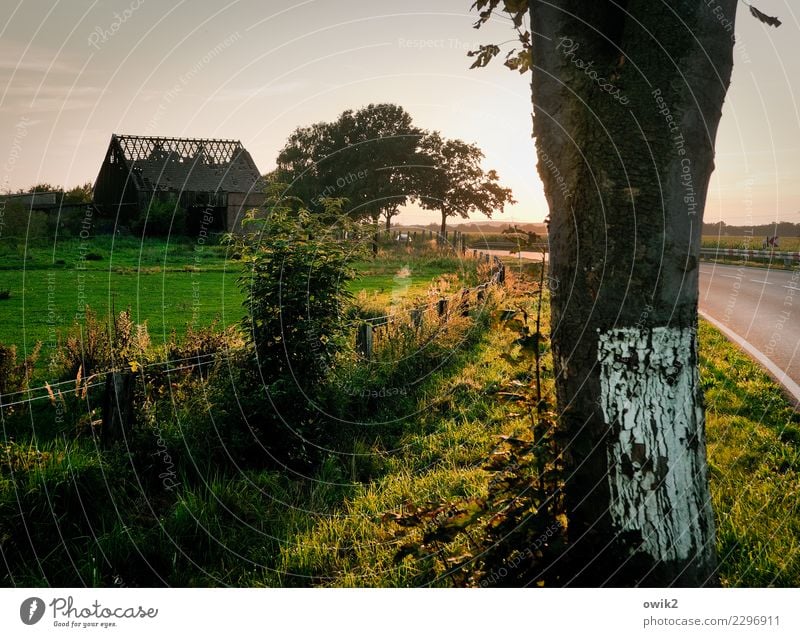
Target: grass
column 754, row 457
column 166, row 284
column 261, row 527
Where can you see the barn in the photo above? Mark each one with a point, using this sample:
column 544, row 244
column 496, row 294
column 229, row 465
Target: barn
column 213, row 180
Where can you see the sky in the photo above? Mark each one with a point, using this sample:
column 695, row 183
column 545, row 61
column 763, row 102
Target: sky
column 72, row 72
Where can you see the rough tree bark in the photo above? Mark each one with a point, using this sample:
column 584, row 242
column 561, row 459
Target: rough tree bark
column 627, row 97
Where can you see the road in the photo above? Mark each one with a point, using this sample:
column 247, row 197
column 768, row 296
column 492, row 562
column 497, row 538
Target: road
column 759, row 309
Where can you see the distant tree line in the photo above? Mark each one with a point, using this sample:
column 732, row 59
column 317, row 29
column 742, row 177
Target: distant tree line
column 779, row 228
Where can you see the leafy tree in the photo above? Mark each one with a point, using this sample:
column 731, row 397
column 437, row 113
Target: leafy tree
column 453, row 181
column 364, row 157
column 627, row 97
column 40, row 187
column 79, row 194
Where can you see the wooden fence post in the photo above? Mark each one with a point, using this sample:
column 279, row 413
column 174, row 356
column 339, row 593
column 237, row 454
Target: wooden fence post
column 442, row 307
column 364, row 340
column 416, row 317
column 117, row 407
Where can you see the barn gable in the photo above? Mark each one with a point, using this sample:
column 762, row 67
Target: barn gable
column 199, row 173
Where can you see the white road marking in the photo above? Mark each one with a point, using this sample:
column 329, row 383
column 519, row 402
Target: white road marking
column 789, row 287
column 764, row 282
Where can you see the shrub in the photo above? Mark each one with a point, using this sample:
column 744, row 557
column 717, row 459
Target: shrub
column 15, row 375
column 295, row 281
column 161, row 219
column 5, row 295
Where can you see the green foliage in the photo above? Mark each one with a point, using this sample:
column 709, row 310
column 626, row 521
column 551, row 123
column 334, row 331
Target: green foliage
column 21, row 222
column 79, row 194
column 454, row 182
column 364, row 157
column 14, row 374
column 163, row 217
column 295, row 280
column 296, row 283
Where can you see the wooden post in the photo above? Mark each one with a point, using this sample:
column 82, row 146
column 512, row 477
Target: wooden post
column 474, row 254
column 465, row 302
column 364, row 340
column 416, row 317
column 117, row 407
column 442, row 307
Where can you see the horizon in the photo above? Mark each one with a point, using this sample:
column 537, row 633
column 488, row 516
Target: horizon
column 249, row 73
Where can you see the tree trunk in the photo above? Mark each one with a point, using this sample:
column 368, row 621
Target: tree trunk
column 375, row 237
column 443, row 229
column 627, row 98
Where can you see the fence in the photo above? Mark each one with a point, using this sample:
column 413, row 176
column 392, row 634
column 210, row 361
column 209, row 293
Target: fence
column 118, row 383
column 369, row 330
column 768, row 255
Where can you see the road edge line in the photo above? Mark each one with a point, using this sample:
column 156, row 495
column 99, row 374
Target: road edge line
column 791, row 388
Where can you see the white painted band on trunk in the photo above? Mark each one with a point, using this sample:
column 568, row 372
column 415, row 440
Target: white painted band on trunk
column 656, row 451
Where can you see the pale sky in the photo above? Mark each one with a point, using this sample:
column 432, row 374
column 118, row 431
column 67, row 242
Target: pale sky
column 75, row 71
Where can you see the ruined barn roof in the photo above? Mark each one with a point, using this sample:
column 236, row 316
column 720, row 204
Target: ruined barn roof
column 184, row 164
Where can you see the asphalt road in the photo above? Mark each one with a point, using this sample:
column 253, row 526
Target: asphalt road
column 760, row 309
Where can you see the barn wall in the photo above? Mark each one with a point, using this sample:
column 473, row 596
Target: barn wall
column 238, row 204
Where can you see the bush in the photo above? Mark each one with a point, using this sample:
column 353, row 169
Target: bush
column 162, row 218
column 295, row 281
column 23, row 223
column 15, row 375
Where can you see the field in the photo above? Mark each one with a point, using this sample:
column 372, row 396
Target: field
column 167, row 285
column 789, row 244
column 417, row 428
column 246, row 525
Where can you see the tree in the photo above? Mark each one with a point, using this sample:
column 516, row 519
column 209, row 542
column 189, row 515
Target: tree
column 79, row 194
column 454, row 182
column 627, row 97
column 364, row 157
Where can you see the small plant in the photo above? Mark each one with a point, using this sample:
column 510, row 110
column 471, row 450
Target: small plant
column 5, row 295
column 93, row 256
column 15, row 375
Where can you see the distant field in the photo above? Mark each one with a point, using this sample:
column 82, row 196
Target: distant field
column 790, row 244
column 168, row 285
